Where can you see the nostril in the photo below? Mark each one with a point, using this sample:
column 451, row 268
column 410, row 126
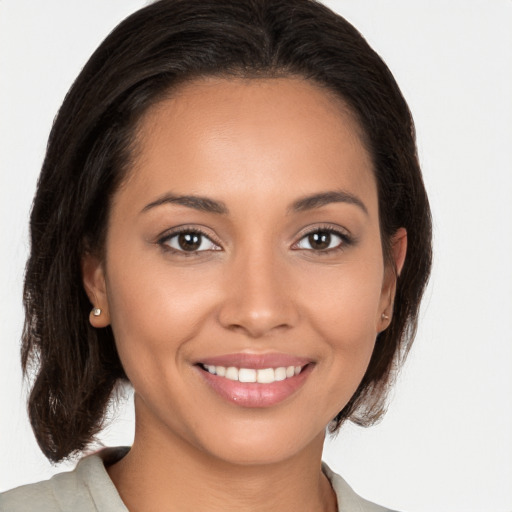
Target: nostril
column 257, row 329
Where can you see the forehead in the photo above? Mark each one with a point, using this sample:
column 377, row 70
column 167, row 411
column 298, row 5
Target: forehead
column 259, row 137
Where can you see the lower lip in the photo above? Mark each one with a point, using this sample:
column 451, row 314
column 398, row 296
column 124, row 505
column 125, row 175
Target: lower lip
column 252, row 394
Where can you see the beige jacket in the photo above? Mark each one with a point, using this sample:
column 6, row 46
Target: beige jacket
column 88, row 488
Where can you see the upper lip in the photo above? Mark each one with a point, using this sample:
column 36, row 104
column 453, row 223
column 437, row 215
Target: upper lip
column 256, row 361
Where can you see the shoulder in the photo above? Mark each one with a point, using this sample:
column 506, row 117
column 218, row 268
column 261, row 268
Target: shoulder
column 348, row 500
column 86, row 488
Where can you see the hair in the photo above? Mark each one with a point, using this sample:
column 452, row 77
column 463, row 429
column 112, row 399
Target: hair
column 75, row 366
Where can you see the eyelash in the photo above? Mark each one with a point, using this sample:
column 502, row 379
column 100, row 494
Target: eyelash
column 346, row 240
column 164, row 240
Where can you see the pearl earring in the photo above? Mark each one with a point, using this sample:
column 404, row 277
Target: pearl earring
column 384, row 316
column 96, row 311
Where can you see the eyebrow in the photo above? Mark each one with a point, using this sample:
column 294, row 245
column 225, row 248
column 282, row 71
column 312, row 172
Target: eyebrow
column 203, row 204
column 306, row 203
column 324, row 198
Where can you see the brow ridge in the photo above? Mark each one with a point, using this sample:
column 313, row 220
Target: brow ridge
column 324, row 198
column 200, row 203
column 306, row 203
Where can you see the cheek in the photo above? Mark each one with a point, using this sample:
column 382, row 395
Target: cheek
column 343, row 307
column 153, row 310
column 344, row 300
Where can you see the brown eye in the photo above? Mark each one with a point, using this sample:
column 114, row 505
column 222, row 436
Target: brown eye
column 322, row 240
column 189, row 241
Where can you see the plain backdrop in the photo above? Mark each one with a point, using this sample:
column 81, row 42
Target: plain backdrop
column 446, row 442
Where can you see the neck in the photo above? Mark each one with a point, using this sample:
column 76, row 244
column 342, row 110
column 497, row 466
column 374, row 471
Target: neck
column 163, row 469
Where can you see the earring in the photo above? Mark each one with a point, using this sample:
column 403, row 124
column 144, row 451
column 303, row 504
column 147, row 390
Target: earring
column 384, row 316
column 96, row 311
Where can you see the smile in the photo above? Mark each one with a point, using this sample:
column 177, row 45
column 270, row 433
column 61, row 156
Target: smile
column 252, row 380
column 260, row 375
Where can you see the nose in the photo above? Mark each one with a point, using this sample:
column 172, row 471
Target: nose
column 259, row 297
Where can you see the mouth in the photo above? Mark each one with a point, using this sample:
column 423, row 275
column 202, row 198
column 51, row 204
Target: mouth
column 255, row 381
column 254, row 375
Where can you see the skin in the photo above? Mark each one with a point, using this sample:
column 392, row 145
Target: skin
column 258, row 146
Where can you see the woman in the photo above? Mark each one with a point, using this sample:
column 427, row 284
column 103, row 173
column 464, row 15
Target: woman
column 231, row 217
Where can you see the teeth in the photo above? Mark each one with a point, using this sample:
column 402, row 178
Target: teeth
column 232, row 373
column 263, row 376
column 246, row 375
column 266, row 376
column 280, row 374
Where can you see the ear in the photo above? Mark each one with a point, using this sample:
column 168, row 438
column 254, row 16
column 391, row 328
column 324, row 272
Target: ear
column 93, row 276
column 392, row 270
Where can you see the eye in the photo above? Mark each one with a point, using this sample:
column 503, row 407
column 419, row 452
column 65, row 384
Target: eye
column 322, row 240
column 188, row 241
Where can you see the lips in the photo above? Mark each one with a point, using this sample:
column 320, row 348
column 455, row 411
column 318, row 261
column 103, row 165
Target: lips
column 255, row 380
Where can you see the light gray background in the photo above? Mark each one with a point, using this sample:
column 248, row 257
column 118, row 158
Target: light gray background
column 446, row 443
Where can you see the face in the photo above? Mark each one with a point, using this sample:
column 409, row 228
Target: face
column 244, row 278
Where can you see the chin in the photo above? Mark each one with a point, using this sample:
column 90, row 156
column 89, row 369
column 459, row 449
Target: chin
column 262, row 443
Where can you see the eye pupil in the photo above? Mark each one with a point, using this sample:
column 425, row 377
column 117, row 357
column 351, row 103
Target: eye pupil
column 189, row 241
column 320, row 240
